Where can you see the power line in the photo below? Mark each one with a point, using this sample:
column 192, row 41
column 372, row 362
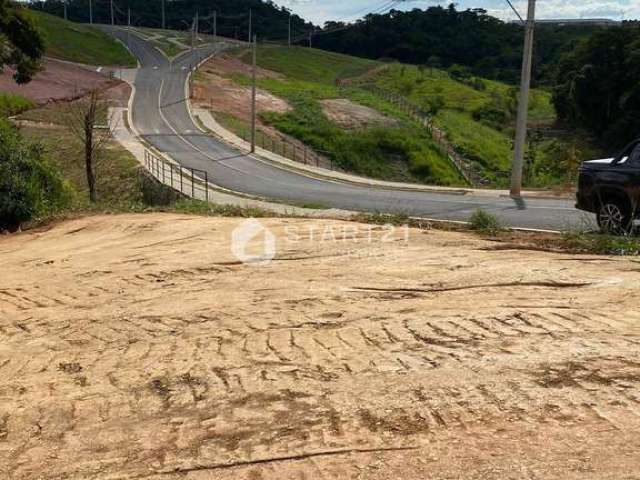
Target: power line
column 515, row 11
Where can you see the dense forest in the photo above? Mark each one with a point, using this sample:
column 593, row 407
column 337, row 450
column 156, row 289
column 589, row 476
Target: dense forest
column 598, row 85
column 444, row 37
column 268, row 20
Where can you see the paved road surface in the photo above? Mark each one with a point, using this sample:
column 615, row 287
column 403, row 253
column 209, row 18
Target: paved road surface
column 161, row 117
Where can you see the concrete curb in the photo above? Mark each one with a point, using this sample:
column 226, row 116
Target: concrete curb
column 203, row 119
column 129, row 138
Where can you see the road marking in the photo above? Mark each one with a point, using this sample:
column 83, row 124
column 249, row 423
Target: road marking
column 205, row 154
column 500, row 206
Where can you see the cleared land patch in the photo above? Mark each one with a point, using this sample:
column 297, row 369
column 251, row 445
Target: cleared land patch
column 138, row 346
column 350, row 115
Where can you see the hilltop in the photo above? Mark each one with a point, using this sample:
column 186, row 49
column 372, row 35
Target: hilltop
column 75, row 42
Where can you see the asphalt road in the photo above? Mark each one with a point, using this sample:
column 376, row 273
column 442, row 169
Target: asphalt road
column 161, row 117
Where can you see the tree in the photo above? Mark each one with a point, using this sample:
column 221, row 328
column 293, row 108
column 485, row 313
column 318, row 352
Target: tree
column 83, row 118
column 597, row 87
column 29, row 185
column 21, row 46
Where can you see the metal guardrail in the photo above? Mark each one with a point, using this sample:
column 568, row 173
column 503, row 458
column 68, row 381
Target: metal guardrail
column 282, row 147
column 471, row 176
column 191, row 182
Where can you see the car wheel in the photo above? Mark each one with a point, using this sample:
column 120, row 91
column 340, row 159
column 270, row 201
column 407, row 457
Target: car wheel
column 613, row 218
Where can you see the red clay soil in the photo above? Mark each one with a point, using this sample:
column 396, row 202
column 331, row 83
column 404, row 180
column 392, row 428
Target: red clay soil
column 58, row 81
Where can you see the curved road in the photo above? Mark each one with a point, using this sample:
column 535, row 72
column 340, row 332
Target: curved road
column 161, row 117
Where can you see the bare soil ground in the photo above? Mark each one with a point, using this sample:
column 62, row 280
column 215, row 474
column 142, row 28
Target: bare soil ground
column 216, row 91
column 58, row 81
column 350, row 115
column 138, row 346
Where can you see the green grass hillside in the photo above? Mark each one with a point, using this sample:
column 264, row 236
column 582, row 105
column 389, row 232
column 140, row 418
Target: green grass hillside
column 398, row 151
column 310, row 65
column 80, row 43
column 478, row 115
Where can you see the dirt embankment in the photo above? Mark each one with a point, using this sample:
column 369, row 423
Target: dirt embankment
column 215, row 90
column 139, row 346
column 63, row 81
column 350, row 115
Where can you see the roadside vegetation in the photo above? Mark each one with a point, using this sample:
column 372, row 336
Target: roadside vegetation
column 484, row 222
column 396, row 149
column 478, row 118
column 170, row 42
column 13, row 104
column 475, row 115
column 79, row 43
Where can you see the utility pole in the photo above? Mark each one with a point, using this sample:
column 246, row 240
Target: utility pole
column 289, row 29
column 164, row 24
column 128, row 26
column 310, row 38
column 65, row 10
column 250, row 23
column 193, row 30
column 523, row 103
column 90, row 12
column 215, row 27
column 253, row 97
column 112, row 21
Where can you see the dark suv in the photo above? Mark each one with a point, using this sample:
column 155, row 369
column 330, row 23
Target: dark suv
column 610, row 188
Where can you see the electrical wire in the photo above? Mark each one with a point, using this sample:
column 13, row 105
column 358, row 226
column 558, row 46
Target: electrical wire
column 515, row 11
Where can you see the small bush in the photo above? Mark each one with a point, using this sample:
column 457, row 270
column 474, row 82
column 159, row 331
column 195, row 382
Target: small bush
column 601, row 244
column 154, row 193
column 491, row 116
column 29, row 185
column 485, row 222
column 13, row 104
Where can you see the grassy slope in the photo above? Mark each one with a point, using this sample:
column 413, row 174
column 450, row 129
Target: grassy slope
column 490, row 147
column 311, row 65
column 13, row 104
column 80, row 43
column 404, row 152
column 117, row 169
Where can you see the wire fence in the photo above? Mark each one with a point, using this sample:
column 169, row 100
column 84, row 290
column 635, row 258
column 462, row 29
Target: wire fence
column 463, row 165
column 300, row 154
column 192, row 182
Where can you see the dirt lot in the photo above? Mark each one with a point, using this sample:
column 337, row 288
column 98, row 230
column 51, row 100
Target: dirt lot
column 58, row 81
column 140, row 347
column 350, row 115
column 213, row 89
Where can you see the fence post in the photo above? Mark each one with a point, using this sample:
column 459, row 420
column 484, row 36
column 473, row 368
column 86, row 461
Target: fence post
column 294, row 153
column 305, row 155
column 163, row 179
column 171, row 174
column 206, row 185
column 193, row 186
column 181, row 177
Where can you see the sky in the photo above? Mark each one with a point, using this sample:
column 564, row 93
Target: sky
column 319, row 11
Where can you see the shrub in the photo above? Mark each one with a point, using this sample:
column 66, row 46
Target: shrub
column 155, row 193
column 484, row 222
column 491, row 115
column 29, row 185
column 13, row 104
